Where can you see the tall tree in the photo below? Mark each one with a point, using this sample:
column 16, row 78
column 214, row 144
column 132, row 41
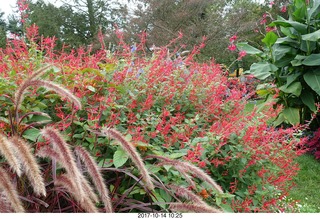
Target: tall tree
column 3, row 27
column 217, row 20
column 86, row 17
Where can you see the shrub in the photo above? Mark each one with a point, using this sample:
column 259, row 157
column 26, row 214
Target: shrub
column 180, row 115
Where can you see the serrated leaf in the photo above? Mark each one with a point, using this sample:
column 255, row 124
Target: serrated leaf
column 120, row 157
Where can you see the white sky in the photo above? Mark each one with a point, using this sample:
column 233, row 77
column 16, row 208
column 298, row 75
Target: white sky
column 7, row 6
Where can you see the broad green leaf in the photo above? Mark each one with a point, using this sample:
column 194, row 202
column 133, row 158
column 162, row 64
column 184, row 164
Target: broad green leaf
column 308, row 46
column 287, row 31
column 270, row 39
column 120, row 157
column 295, row 88
column 249, row 49
column 262, row 70
column 291, row 78
column 314, row 10
column 297, row 61
column 31, row 134
column 292, row 115
column 280, row 119
column 312, row 36
column 313, row 80
column 312, row 60
column 301, row 28
column 308, row 100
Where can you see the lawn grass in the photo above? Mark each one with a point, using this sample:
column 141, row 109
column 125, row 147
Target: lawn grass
column 307, row 189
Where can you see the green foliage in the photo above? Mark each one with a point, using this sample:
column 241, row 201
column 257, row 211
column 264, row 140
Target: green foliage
column 291, row 62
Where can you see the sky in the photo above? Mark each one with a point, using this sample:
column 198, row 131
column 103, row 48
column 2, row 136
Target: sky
column 7, row 6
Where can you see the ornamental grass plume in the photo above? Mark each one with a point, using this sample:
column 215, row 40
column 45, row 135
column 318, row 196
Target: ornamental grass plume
column 47, row 151
column 183, row 207
column 7, row 150
column 9, row 191
column 188, row 168
column 133, row 154
column 5, row 206
column 198, row 205
column 63, row 92
column 96, row 176
column 66, row 158
column 65, row 180
column 30, row 165
column 187, row 194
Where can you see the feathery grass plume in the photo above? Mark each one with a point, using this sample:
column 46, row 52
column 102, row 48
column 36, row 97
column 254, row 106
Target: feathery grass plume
column 5, row 206
column 88, row 190
column 39, row 72
column 96, row 176
column 21, row 89
column 183, row 207
column 30, row 165
column 185, row 175
column 187, row 194
column 47, row 151
column 132, row 152
column 65, row 181
column 63, row 92
column 188, row 168
column 67, row 158
column 34, row 113
column 7, row 150
column 9, row 191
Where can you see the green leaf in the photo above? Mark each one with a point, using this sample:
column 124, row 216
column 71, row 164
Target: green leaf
column 292, row 115
column 314, row 10
column 293, row 77
column 91, row 88
column 157, row 198
column 301, row 28
column 312, row 60
column 295, row 88
column 313, row 80
column 308, row 100
column 262, row 70
column 176, row 155
column 280, row 119
column 270, row 39
column 120, row 157
column 31, row 134
column 311, row 36
column 249, row 49
column 297, row 61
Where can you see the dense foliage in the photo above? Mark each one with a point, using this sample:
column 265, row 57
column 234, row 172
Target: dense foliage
column 176, row 112
column 289, row 61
